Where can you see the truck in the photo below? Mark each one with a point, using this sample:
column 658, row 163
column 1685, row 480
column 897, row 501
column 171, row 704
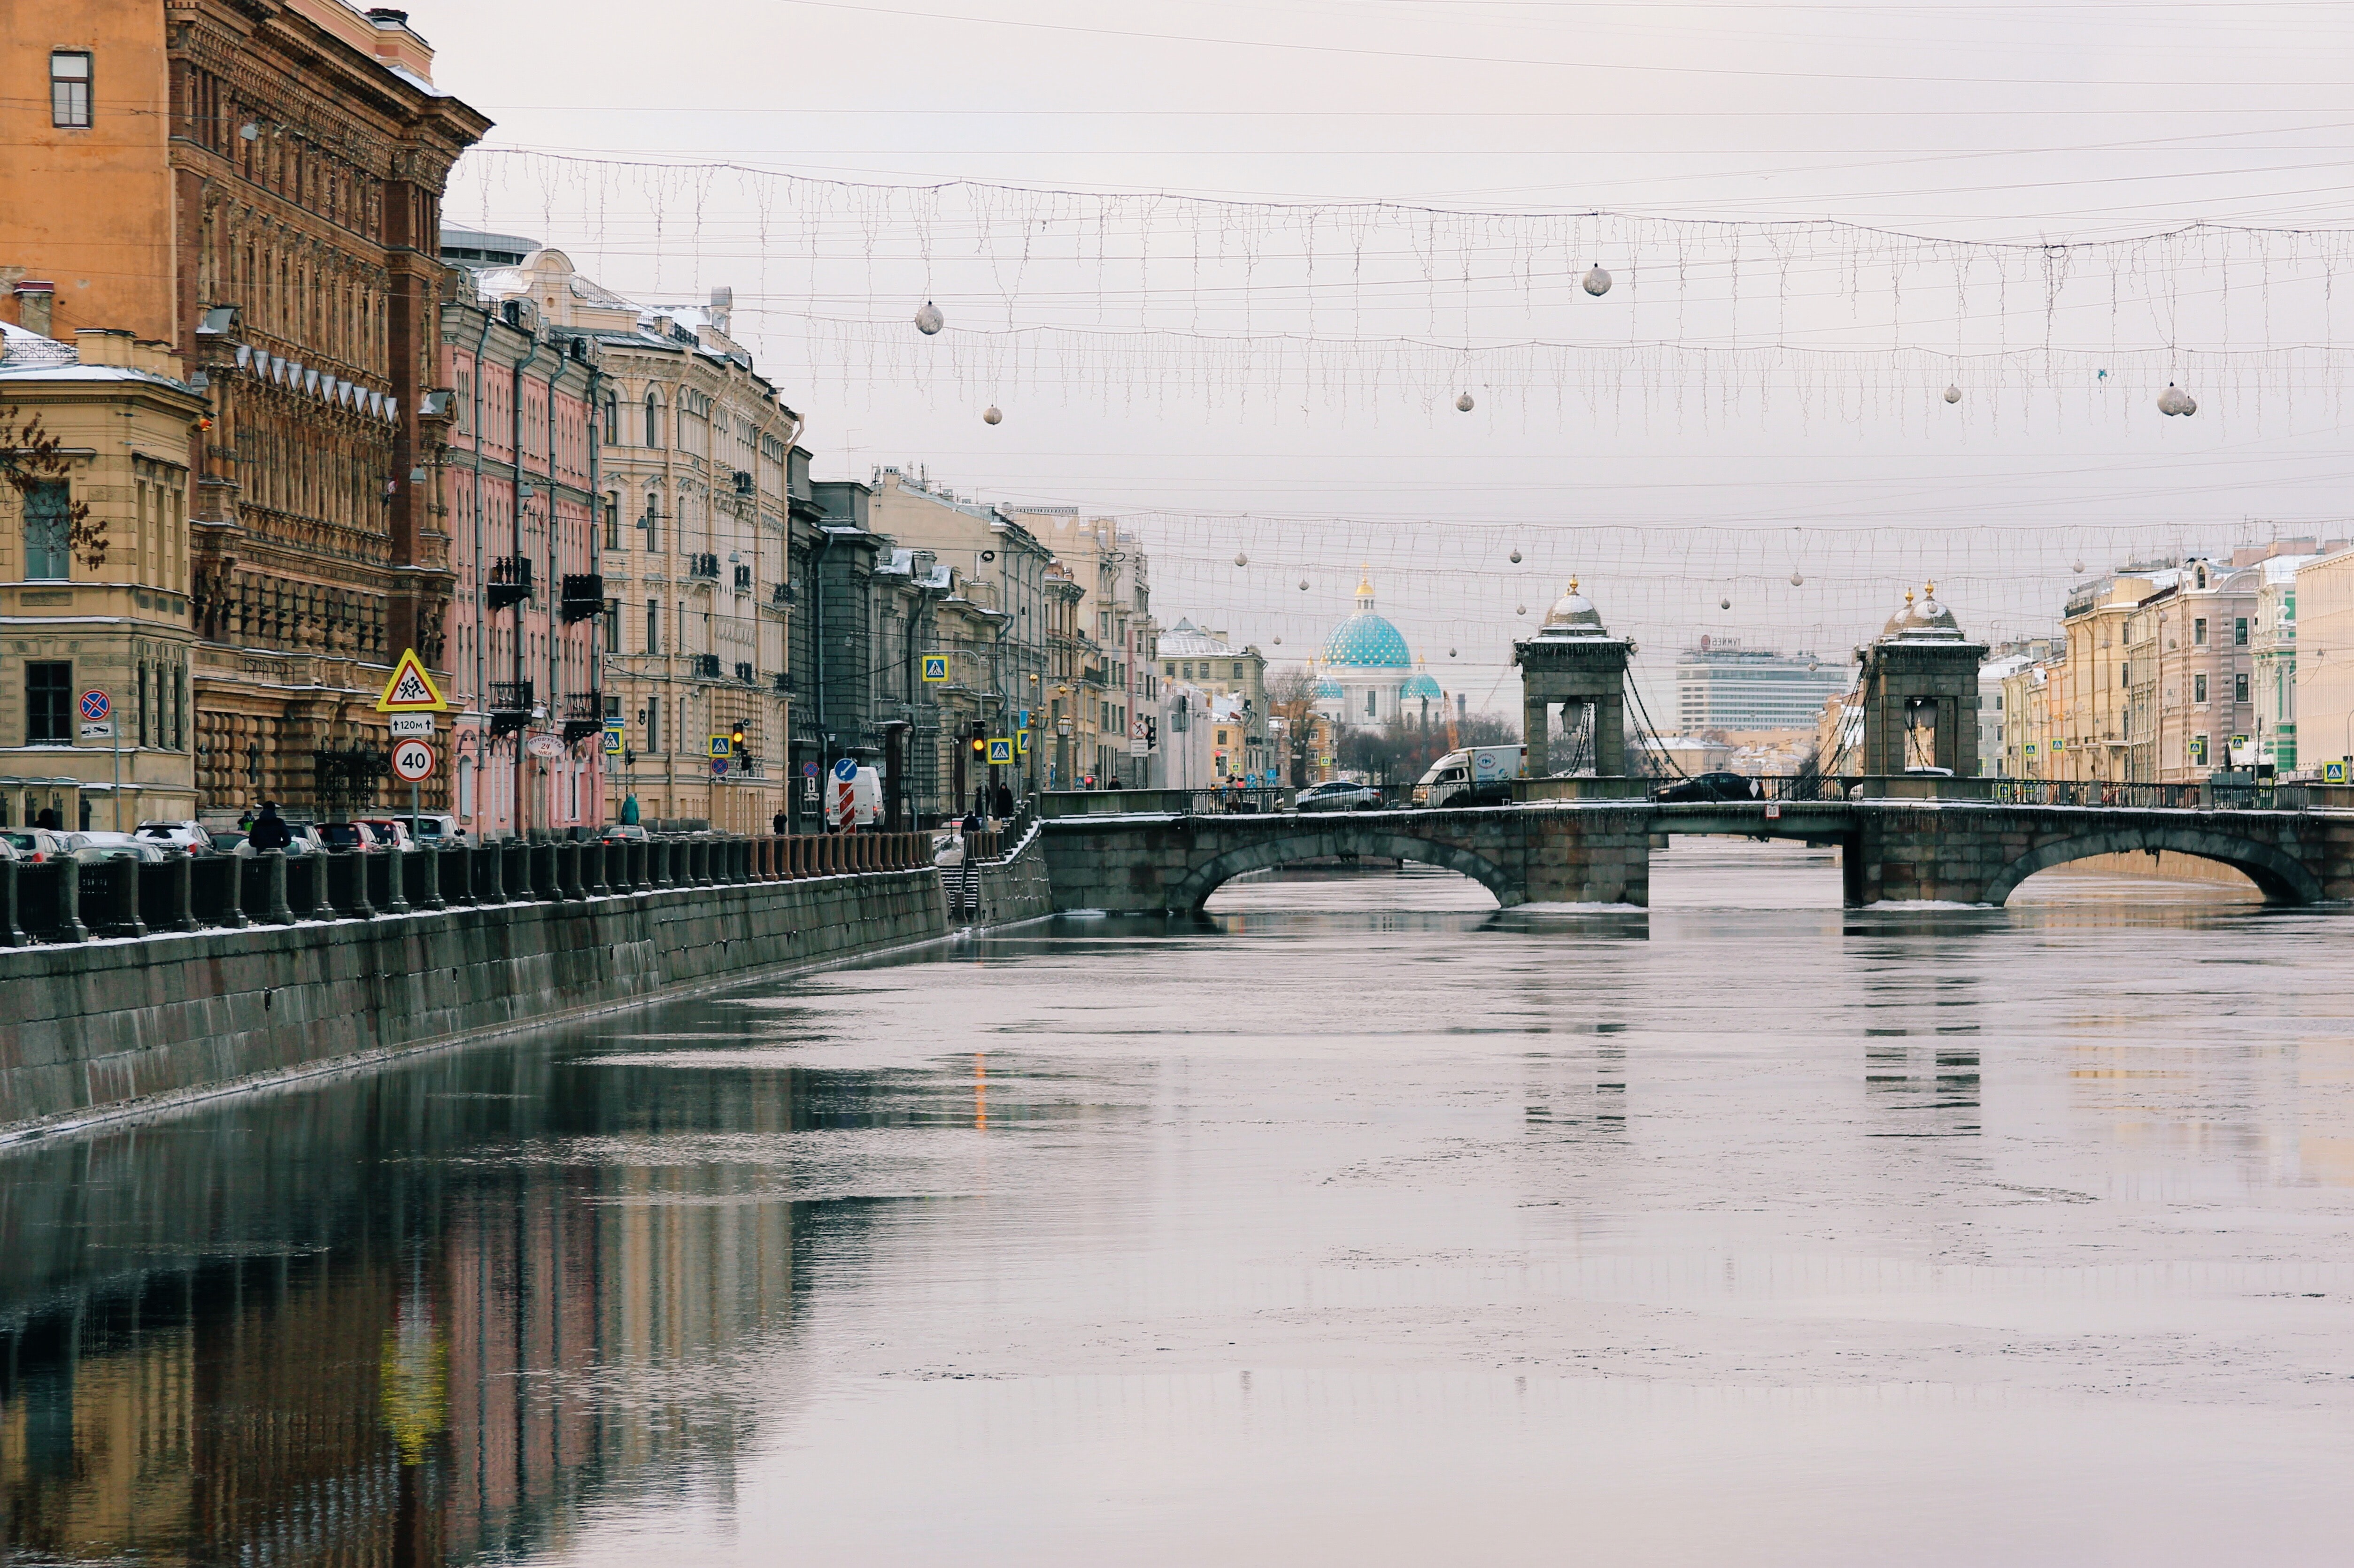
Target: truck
column 1475, row 776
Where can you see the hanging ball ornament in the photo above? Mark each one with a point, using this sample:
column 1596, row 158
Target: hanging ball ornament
column 1724, row 604
column 2190, row 405
column 2172, row 401
column 1797, row 581
column 1278, row 642
column 989, row 416
column 2077, row 568
column 1598, row 282
column 1519, row 609
column 1450, row 652
column 1463, row 404
column 1516, row 557
column 1241, row 559
column 1953, row 394
column 1303, row 585
column 928, row 320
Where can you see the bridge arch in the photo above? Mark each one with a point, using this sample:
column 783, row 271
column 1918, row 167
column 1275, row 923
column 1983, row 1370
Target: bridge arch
column 1341, row 838
column 2279, row 876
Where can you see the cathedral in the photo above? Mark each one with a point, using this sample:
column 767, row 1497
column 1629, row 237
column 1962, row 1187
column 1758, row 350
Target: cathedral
column 1366, row 676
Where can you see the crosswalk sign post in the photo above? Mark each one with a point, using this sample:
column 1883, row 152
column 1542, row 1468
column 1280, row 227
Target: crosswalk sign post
column 613, row 738
column 1001, row 750
column 936, row 667
column 1022, row 742
column 411, row 690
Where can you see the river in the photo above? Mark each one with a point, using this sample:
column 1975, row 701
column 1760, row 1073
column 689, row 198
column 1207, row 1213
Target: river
column 1358, row 1223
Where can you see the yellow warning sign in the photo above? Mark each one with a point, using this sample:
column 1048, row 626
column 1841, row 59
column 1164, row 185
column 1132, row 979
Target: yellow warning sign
column 411, row 690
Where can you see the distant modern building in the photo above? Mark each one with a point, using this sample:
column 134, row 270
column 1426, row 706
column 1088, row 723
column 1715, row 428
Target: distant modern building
column 1721, row 686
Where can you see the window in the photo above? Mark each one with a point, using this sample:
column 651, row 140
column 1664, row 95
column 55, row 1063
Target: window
column 2198, row 688
column 2199, row 632
column 613, row 418
column 69, row 88
column 653, row 626
column 1189, row 672
column 48, row 510
column 1238, row 672
column 1369, row 702
column 2198, row 751
column 613, row 626
column 653, row 724
column 2239, row 688
column 653, row 419
column 48, row 705
column 651, row 523
column 612, row 523
column 2240, row 633
column 1169, row 669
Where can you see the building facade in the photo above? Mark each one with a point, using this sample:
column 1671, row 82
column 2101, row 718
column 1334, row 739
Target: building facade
column 1721, row 686
column 109, row 612
column 1227, row 683
column 257, row 184
column 517, row 461
column 693, row 452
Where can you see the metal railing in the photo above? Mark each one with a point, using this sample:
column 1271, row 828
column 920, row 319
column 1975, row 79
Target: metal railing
column 583, row 594
column 510, row 581
column 2102, row 793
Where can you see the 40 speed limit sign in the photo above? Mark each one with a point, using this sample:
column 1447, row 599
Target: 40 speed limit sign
column 412, row 760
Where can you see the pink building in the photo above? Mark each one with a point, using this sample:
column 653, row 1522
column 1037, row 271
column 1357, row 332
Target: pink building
column 518, row 485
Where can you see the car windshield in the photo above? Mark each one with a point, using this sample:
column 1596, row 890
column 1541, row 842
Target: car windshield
column 21, row 841
column 342, row 833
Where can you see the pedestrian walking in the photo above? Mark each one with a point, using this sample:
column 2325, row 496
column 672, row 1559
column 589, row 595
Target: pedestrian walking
column 780, row 822
column 269, row 831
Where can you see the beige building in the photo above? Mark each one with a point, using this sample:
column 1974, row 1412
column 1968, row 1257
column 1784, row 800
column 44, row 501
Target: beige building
column 2324, row 663
column 693, row 450
column 108, row 613
column 1117, row 645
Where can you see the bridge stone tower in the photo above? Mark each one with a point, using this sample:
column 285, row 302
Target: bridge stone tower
column 1572, row 662
column 1921, row 693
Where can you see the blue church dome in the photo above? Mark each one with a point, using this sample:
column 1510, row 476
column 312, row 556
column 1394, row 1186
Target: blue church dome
column 1418, row 686
column 1325, row 689
column 1366, row 642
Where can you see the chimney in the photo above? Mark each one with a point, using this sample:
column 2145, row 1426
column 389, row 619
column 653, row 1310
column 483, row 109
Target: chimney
column 34, row 298
column 109, row 346
column 398, row 44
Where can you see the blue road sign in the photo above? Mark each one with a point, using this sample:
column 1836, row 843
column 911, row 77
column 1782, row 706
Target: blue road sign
column 846, row 770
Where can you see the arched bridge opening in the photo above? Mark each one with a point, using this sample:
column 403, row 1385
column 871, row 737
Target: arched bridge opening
column 2281, row 877
column 1324, row 842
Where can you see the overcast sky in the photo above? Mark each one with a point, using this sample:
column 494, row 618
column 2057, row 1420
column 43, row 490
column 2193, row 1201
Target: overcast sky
column 1744, row 405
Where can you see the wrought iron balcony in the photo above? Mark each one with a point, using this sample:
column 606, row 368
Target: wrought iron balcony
column 781, row 593
column 511, row 705
column 784, row 682
column 705, row 666
column 584, row 595
column 703, row 566
column 744, row 674
column 584, row 715
column 743, row 579
column 510, row 581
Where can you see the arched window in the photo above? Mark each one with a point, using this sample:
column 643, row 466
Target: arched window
column 653, row 419
column 613, row 418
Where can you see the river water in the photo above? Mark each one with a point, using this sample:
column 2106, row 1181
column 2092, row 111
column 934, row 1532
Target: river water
column 1358, row 1224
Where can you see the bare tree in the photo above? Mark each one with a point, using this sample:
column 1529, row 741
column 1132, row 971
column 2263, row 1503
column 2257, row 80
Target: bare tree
column 31, row 457
column 1291, row 696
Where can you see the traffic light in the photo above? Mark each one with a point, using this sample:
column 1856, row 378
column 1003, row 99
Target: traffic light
column 736, row 738
column 1152, row 732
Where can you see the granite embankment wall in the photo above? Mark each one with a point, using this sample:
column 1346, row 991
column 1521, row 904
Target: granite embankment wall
column 99, row 1029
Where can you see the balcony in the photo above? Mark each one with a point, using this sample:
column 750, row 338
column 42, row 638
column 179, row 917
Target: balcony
column 783, row 683
column 744, row 674
column 584, row 595
column 743, row 579
column 510, row 581
column 704, row 666
column 584, row 715
column 704, row 566
column 511, row 705
column 781, row 593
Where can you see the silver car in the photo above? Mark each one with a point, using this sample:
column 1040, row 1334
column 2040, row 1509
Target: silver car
column 1341, row 796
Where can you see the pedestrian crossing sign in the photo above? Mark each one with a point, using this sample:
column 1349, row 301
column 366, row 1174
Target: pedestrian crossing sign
column 1001, row 750
column 936, row 666
column 1022, row 742
column 2333, row 773
column 721, row 745
column 411, row 690
column 613, row 743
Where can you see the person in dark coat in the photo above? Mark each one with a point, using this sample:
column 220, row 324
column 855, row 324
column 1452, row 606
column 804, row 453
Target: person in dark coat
column 269, row 831
column 1001, row 805
column 779, row 824
column 49, row 818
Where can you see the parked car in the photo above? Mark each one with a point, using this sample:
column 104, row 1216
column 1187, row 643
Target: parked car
column 190, row 836
column 1340, row 796
column 94, row 846
column 34, row 845
column 621, row 832
column 1707, row 787
column 438, row 829
column 306, row 839
column 353, row 836
column 231, row 841
column 390, row 831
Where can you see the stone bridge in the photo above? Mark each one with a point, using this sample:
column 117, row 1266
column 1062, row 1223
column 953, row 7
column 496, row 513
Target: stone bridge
column 1598, row 851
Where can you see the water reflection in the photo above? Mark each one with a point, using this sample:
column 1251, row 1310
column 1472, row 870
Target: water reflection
column 1358, row 1222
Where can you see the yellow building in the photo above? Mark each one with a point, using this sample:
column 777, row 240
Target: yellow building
column 98, row 603
column 2324, row 663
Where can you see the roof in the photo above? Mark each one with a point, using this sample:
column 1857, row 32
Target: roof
column 1186, row 640
column 1366, row 642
